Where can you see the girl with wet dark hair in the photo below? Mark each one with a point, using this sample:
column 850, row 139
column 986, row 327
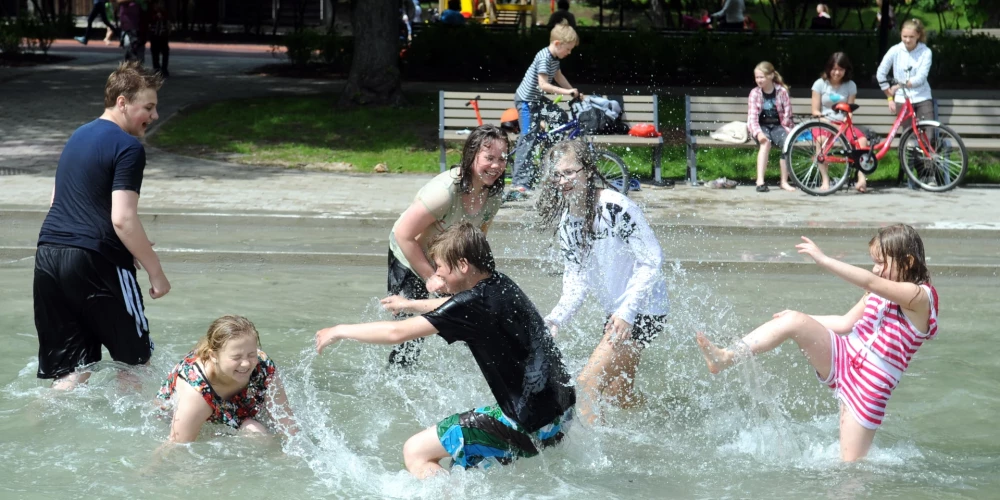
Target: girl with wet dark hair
column 468, row 192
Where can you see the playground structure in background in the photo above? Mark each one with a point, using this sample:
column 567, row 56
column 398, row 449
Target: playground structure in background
column 490, row 12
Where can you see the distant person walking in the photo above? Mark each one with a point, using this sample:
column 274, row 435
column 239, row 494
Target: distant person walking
column 732, row 15
column 98, row 9
column 130, row 19
column 561, row 13
column 159, row 34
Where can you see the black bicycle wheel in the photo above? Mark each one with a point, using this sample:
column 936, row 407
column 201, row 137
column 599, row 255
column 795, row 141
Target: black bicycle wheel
column 808, row 168
column 614, row 170
column 934, row 157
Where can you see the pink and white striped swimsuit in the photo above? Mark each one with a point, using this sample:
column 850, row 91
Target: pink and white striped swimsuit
column 867, row 364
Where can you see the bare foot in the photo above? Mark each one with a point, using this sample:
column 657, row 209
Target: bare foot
column 107, row 41
column 824, row 187
column 862, row 188
column 787, row 187
column 717, row 359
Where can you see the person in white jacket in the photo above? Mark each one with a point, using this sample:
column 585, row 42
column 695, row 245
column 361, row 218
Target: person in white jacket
column 732, row 15
column 607, row 247
column 910, row 61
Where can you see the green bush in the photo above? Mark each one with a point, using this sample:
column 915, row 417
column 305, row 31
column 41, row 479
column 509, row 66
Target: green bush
column 10, row 38
column 646, row 58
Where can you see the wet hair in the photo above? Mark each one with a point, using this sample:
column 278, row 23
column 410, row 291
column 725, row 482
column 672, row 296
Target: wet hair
column 917, row 26
column 463, row 241
column 127, row 81
column 223, row 330
column 839, row 59
column 480, row 138
column 768, row 69
column 902, row 243
column 564, row 33
column 563, row 4
column 552, row 204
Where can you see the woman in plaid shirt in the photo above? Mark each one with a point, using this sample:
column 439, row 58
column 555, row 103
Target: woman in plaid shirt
column 769, row 118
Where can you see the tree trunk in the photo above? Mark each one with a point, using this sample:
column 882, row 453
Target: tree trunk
column 374, row 77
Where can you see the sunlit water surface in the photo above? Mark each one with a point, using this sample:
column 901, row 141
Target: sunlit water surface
column 766, row 429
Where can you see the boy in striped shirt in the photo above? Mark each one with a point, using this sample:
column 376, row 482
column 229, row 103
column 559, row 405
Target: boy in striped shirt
column 542, row 76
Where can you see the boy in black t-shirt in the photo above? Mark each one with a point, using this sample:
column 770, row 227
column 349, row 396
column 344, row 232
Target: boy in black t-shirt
column 85, row 288
column 510, row 343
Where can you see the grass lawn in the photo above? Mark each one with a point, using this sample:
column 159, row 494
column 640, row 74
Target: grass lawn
column 311, row 132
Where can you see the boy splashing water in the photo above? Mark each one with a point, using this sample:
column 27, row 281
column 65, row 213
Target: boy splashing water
column 508, row 339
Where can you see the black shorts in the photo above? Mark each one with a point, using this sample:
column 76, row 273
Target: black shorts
column 83, row 301
column 645, row 329
column 403, row 281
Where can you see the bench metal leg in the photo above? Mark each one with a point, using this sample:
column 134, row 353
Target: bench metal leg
column 658, row 167
column 692, row 163
column 443, row 160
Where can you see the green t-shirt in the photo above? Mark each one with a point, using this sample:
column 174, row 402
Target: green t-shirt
column 442, row 196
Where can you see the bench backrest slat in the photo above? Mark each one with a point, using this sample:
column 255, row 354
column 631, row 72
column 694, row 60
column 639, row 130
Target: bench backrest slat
column 968, row 117
column 455, row 115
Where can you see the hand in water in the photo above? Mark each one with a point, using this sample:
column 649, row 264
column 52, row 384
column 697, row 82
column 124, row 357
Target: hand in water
column 618, row 329
column 326, row 337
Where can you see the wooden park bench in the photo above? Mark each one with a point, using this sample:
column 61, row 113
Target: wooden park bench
column 456, row 119
column 977, row 121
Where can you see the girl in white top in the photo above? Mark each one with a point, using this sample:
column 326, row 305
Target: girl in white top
column 607, row 247
column 470, row 192
column 836, row 85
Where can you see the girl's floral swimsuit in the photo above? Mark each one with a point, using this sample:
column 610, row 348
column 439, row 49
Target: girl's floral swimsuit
column 232, row 412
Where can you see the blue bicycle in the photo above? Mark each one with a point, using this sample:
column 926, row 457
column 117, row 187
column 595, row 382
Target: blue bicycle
column 611, row 166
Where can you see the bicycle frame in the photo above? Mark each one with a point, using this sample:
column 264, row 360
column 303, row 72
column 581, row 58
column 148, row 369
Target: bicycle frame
column 882, row 148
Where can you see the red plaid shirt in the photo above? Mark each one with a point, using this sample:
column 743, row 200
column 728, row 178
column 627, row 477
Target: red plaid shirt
column 781, row 99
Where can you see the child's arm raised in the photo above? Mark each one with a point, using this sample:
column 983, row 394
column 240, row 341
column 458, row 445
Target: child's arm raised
column 397, row 304
column 908, row 295
column 381, row 332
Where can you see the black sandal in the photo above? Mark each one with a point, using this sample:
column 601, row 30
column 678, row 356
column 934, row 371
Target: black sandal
column 762, row 188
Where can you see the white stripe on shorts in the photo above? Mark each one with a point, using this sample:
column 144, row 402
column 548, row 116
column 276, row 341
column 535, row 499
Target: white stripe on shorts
column 126, row 282
column 137, row 305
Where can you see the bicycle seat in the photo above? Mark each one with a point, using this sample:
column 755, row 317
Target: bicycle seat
column 845, row 107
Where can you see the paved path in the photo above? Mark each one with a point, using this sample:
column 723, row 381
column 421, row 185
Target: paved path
column 41, row 106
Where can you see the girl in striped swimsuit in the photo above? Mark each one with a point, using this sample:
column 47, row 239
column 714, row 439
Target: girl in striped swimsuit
column 862, row 354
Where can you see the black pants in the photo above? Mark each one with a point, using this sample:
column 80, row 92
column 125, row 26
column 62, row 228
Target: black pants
column 403, row 281
column 159, row 47
column 98, row 10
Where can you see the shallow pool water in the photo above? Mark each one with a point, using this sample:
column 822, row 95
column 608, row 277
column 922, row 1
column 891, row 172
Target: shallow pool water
column 766, row 429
